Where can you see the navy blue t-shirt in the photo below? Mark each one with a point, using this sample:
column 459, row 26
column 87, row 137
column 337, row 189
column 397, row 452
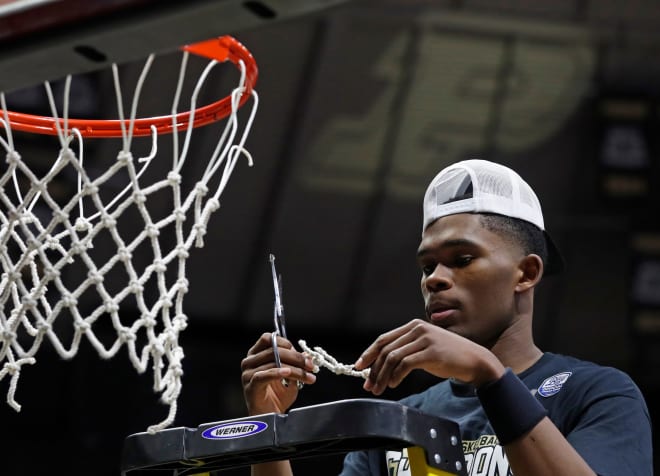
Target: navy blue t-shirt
column 599, row 410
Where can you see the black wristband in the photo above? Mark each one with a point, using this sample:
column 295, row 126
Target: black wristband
column 510, row 407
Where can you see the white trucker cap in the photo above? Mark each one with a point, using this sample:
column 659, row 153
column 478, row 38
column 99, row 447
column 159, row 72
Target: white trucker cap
column 480, row 186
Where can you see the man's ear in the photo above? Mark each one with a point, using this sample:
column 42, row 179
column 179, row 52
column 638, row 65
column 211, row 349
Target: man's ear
column 531, row 271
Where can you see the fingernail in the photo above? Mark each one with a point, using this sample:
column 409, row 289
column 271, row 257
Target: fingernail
column 367, row 385
column 358, row 364
column 312, row 378
column 309, row 364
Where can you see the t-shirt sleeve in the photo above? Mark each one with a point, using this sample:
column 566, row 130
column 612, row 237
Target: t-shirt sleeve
column 613, row 430
column 362, row 463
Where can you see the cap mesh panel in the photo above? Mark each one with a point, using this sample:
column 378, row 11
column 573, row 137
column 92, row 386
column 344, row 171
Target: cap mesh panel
column 494, row 183
column 527, row 198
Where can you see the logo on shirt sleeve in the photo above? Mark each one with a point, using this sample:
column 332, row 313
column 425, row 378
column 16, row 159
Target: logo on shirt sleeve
column 552, row 385
column 398, row 463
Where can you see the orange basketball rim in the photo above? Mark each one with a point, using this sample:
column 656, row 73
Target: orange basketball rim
column 224, row 48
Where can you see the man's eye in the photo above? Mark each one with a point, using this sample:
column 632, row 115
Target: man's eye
column 463, row 260
column 428, row 269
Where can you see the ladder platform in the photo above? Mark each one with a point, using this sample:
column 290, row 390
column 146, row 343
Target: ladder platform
column 324, row 429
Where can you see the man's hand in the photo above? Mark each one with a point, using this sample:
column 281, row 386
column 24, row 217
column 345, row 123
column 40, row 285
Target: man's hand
column 422, row 345
column 262, row 379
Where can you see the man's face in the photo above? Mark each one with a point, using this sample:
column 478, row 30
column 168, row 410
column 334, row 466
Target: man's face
column 469, row 275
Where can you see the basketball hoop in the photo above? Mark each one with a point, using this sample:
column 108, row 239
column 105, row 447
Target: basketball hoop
column 220, row 49
column 44, row 235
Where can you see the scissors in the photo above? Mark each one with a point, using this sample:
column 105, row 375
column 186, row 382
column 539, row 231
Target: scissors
column 278, row 319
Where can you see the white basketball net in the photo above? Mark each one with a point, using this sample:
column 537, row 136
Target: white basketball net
column 42, row 238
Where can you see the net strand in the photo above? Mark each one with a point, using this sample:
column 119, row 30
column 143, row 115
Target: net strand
column 321, row 358
column 193, row 105
column 36, row 249
column 175, row 106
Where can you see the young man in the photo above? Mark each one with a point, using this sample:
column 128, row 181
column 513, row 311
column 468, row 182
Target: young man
column 520, row 410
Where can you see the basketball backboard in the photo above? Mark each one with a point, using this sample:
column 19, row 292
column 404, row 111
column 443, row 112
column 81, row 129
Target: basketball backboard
column 47, row 39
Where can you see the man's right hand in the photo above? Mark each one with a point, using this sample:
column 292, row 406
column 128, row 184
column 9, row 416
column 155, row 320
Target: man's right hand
column 262, row 379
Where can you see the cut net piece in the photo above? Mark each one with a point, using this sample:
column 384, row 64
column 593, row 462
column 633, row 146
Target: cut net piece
column 45, row 239
column 320, row 358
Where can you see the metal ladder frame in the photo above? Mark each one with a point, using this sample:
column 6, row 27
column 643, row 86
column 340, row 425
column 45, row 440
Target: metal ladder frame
column 434, row 444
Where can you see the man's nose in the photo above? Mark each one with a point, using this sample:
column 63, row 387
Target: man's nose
column 439, row 279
